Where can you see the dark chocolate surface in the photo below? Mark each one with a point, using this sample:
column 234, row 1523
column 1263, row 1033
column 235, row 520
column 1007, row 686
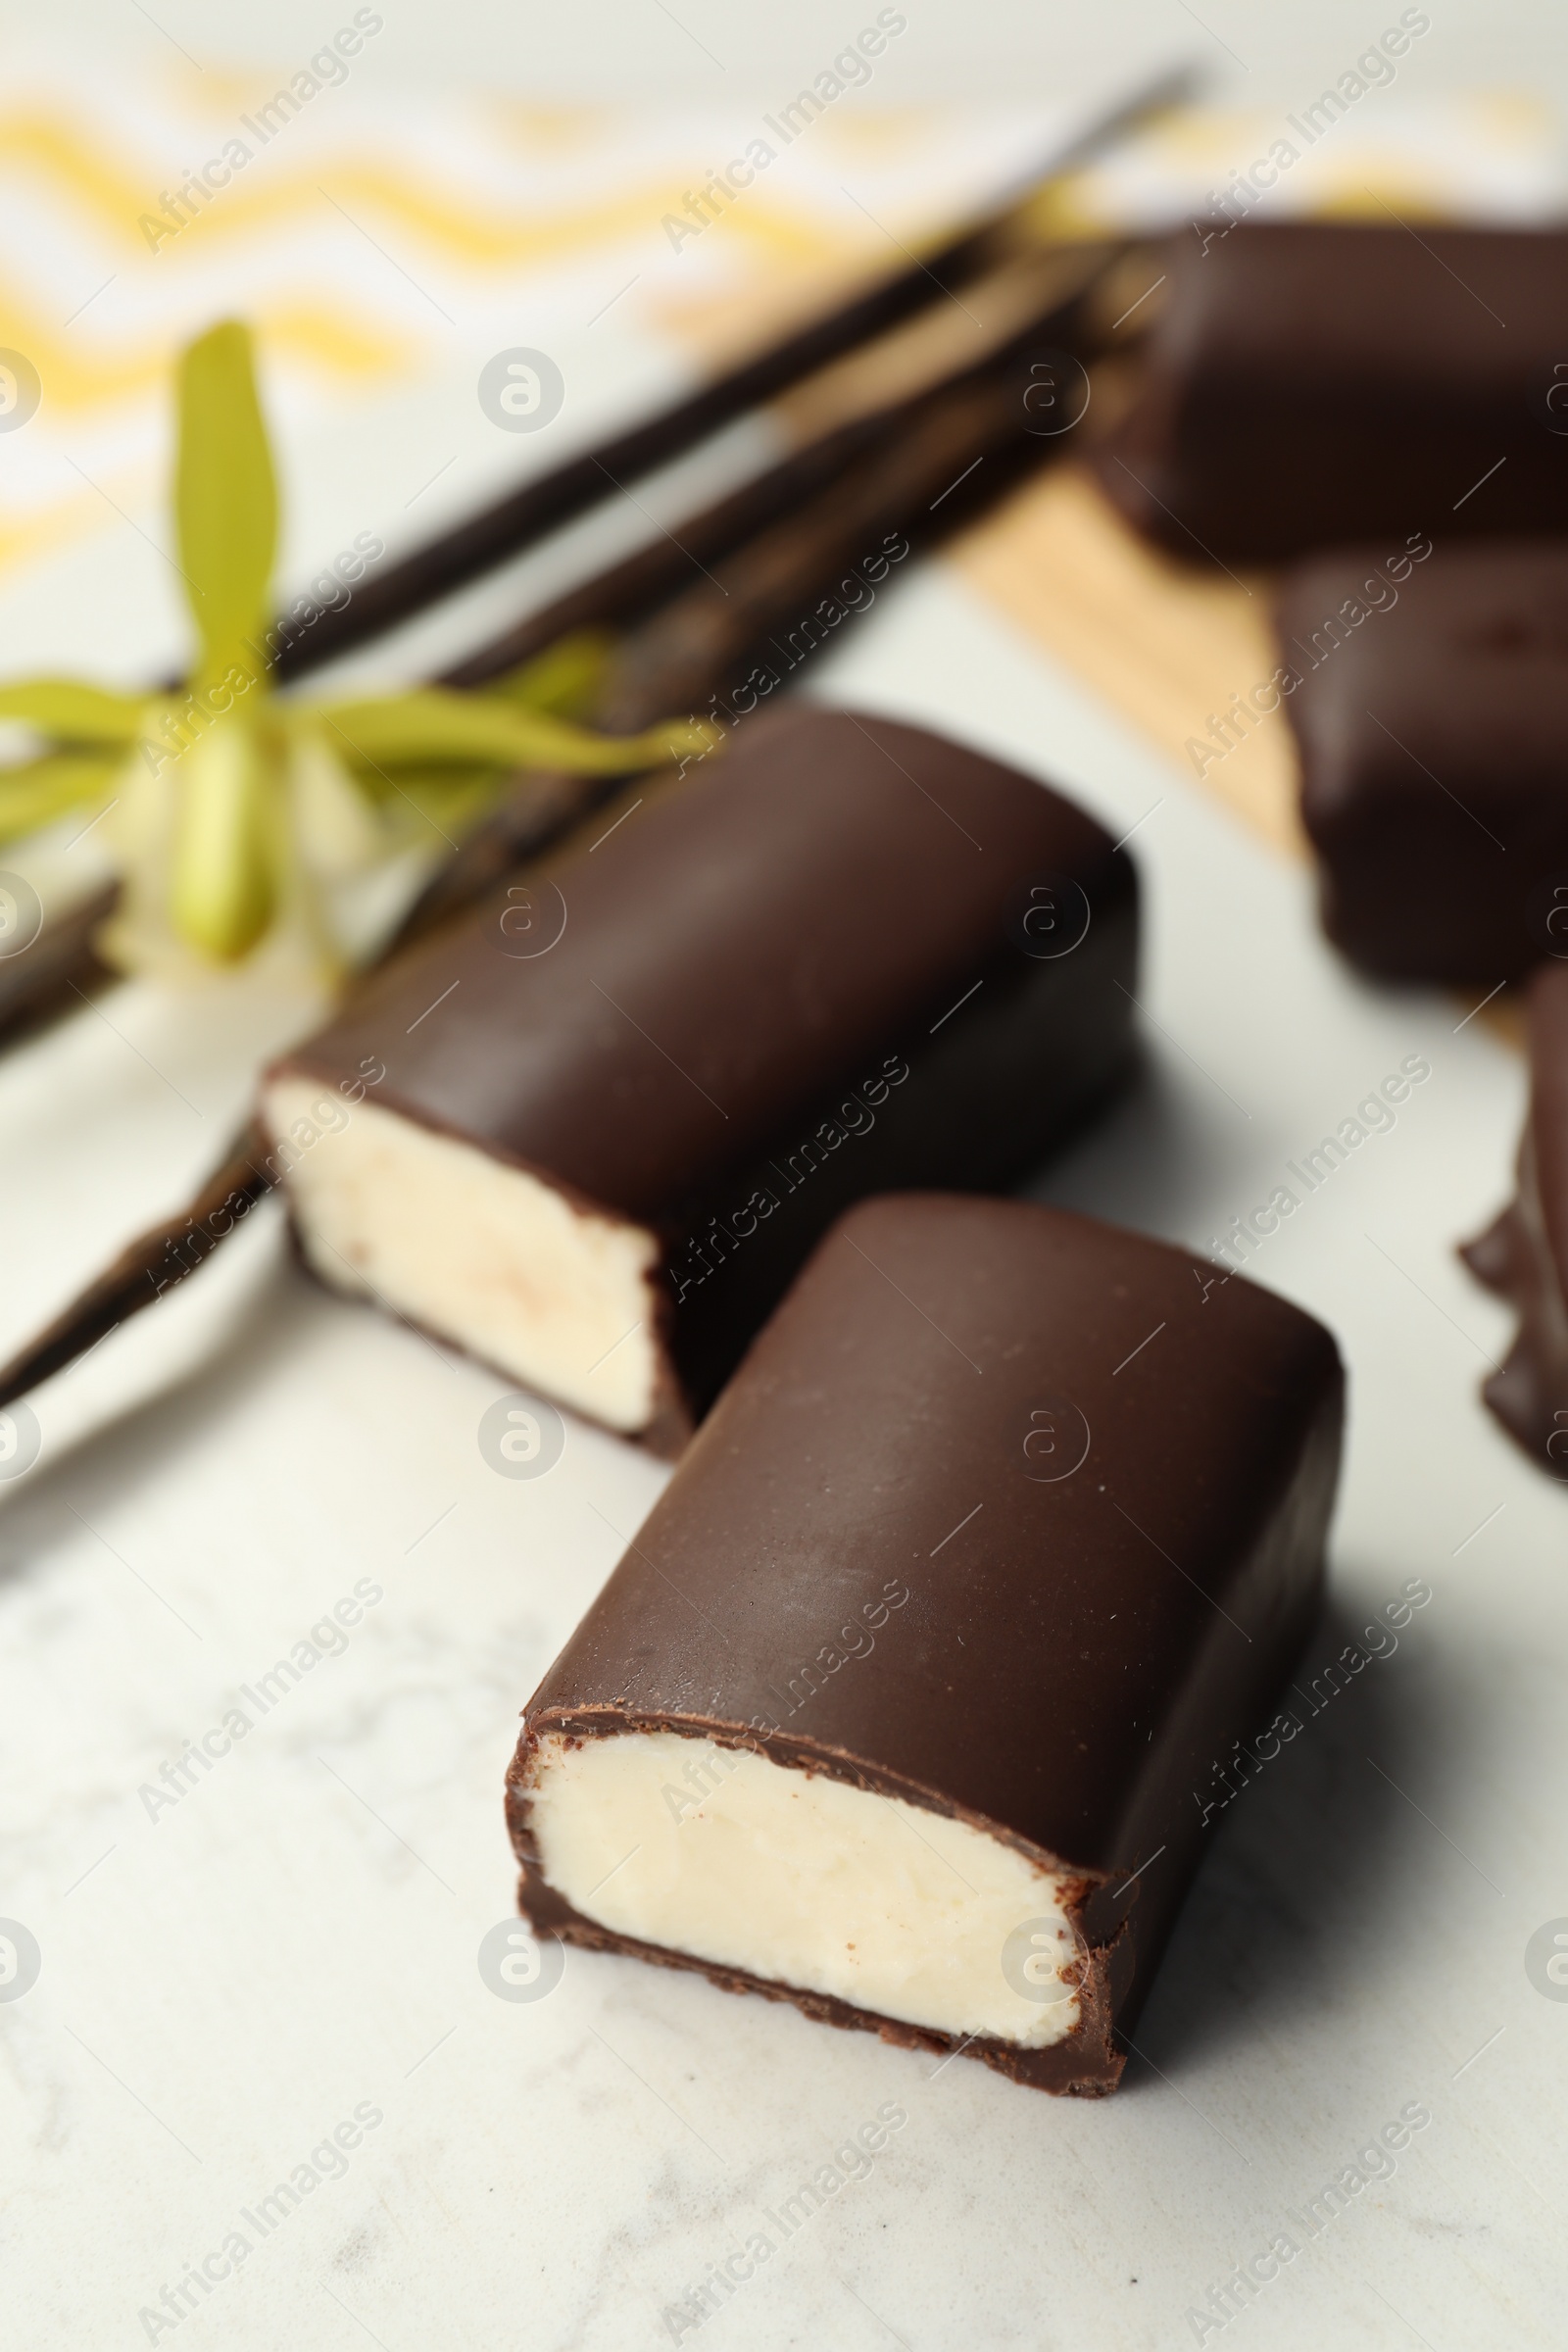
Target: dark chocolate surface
column 1310, row 383
column 1432, row 720
column 1076, row 1652
column 747, row 965
column 1524, row 1255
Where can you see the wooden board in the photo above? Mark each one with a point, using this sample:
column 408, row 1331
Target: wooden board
column 1166, row 646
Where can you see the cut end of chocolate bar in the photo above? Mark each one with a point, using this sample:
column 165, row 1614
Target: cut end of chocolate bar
column 785, row 1875
column 909, row 1701
column 590, row 1135
column 559, row 1296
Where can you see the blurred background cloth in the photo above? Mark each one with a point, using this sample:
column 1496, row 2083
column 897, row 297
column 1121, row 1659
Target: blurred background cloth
column 381, row 235
column 389, row 219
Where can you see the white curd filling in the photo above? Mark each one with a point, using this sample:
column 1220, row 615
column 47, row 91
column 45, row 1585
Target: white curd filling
column 472, row 1248
column 731, row 1858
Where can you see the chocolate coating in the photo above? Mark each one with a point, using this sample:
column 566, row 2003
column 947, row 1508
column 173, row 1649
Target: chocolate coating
column 1076, row 1654
column 1312, row 383
column 1524, row 1255
column 1432, row 720
column 745, row 961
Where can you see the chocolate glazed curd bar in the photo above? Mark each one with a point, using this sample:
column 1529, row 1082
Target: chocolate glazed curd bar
column 1524, row 1255
column 1428, row 694
column 1310, row 383
column 1008, row 1528
column 620, row 1105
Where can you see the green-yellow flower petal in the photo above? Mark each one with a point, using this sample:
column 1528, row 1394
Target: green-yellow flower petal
column 33, row 795
column 564, row 678
column 226, row 495
column 71, row 711
column 222, row 895
column 435, row 725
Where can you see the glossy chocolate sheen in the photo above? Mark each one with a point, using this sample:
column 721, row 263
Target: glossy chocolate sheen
column 1431, row 715
column 1308, row 385
column 1081, row 1643
column 1524, row 1254
column 748, row 962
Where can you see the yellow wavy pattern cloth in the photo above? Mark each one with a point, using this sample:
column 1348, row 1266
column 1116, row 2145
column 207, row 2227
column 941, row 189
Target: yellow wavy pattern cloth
column 375, row 226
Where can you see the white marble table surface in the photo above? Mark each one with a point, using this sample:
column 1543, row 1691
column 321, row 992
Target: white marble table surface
column 227, row 1978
